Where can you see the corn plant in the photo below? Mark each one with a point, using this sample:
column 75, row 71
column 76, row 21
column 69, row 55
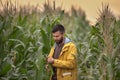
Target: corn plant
column 102, row 56
column 26, row 39
column 24, row 44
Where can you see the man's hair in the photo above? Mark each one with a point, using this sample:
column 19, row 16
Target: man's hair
column 58, row 27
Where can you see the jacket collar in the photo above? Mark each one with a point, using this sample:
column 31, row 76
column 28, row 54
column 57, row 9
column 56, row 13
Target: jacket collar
column 67, row 40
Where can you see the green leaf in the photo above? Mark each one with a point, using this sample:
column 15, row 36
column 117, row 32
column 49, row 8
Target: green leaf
column 4, row 68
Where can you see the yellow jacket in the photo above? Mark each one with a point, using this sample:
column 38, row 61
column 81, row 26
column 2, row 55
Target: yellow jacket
column 66, row 63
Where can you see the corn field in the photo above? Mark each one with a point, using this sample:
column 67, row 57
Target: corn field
column 26, row 39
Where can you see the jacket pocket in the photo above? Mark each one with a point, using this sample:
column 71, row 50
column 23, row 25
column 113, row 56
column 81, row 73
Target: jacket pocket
column 67, row 76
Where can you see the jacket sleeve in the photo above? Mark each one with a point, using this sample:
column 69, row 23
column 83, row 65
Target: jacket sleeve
column 70, row 63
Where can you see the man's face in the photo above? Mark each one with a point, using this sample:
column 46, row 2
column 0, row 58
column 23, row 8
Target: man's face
column 58, row 36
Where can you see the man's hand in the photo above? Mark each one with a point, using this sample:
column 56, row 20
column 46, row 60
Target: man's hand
column 50, row 60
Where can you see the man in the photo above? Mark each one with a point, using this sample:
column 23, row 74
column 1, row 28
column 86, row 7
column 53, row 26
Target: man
column 62, row 56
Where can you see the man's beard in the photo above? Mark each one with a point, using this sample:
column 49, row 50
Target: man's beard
column 60, row 41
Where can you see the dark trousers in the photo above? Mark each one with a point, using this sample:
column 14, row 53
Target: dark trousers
column 54, row 77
